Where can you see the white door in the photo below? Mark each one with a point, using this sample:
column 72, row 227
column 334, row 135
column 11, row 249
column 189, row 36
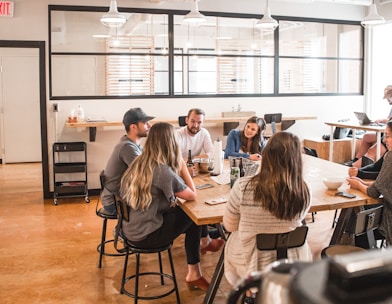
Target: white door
column 19, row 100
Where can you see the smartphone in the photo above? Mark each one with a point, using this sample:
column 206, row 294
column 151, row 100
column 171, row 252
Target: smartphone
column 345, row 194
column 216, row 201
column 204, row 186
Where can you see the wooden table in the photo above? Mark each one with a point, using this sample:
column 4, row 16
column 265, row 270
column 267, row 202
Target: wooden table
column 92, row 125
column 354, row 127
column 315, row 169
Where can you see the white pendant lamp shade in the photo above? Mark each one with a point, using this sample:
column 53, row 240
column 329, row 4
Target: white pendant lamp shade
column 373, row 18
column 194, row 16
column 113, row 18
column 267, row 22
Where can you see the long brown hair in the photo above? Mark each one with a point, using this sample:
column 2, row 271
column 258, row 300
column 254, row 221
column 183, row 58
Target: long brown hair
column 161, row 148
column 256, row 140
column 280, row 186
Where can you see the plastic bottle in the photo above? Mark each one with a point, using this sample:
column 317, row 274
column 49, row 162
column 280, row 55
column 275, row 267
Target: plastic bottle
column 80, row 113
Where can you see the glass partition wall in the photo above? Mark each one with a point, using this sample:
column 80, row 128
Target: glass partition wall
column 156, row 54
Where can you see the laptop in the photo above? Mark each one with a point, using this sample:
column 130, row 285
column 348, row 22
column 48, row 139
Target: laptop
column 364, row 120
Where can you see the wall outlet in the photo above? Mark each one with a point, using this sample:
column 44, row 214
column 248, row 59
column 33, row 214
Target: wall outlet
column 55, row 107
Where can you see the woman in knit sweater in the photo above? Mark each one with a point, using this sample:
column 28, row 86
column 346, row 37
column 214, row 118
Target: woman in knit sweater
column 275, row 200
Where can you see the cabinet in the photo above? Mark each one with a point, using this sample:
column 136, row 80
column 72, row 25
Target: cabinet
column 70, row 170
column 341, row 147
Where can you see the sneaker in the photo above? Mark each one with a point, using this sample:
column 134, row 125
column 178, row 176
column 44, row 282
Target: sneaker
column 350, row 162
column 249, row 300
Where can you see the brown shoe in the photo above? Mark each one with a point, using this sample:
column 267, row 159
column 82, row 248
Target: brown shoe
column 201, row 283
column 213, row 246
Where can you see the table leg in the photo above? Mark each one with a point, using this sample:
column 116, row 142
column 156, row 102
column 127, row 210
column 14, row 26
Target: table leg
column 341, row 225
column 378, row 151
column 215, row 281
column 218, row 273
column 354, row 135
column 331, row 144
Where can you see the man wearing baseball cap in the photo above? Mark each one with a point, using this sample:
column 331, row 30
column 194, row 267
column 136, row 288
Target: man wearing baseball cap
column 137, row 125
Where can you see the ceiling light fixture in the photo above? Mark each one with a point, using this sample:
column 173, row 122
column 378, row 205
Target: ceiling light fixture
column 373, row 18
column 113, row 18
column 267, row 22
column 194, row 16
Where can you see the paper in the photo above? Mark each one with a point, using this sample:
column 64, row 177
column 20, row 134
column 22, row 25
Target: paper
column 222, row 179
column 95, row 119
column 218, row 157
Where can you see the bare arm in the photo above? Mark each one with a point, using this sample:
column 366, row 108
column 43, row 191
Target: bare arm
column 359, row 184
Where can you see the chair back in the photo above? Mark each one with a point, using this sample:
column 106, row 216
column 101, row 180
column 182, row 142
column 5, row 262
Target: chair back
column 228, row 126
column 281, row 242
column 122, row 210
column 310, row 151
column 366, row 220
column 122, row 215
column 181, row 121
column 102, row 179
column 273, row 119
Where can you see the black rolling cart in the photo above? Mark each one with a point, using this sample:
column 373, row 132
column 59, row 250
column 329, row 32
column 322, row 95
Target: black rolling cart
column 70, row 170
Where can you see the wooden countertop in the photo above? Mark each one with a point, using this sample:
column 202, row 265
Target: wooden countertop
column 87, row 124
column 92, row 125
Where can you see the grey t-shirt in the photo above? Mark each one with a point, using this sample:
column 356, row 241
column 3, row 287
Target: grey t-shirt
column 123, row 154
column 165, row 183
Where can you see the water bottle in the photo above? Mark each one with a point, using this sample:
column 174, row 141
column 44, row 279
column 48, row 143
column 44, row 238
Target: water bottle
column 80, row 113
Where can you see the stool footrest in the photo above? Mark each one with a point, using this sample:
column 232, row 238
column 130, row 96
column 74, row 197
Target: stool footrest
column 152, row 297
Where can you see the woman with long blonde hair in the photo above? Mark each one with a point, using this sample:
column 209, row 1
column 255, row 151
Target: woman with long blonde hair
column 150, row 187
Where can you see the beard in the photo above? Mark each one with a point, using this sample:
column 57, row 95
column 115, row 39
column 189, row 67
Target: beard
column 193, row 130
column 142, row 133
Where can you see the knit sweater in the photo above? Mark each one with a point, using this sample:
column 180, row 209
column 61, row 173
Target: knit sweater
column 383, row 186
column 246, row 218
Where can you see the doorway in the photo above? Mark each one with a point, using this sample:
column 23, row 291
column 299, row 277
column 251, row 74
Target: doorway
column 20, row 119
column 15, row 119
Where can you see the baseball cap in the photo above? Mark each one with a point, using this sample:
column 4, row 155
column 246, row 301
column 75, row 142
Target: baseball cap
column 388, row 93
column 135, row 115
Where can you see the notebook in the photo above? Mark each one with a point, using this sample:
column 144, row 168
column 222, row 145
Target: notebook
column 364, row 120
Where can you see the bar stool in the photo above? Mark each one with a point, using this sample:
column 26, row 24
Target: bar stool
column 334, row 250
column 101, row 212
column 362, row 224
column 129, row 248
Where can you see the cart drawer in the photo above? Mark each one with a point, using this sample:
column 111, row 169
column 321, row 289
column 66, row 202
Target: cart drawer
column 69, row 146
column 70, row 167
column 70, row 187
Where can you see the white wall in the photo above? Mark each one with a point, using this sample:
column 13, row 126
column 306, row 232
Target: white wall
column 31, row 23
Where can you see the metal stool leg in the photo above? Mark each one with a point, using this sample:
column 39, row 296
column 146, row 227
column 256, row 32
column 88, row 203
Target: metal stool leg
column 102, row 246
column 123, row 279
column 160, row 267
column 174, row 276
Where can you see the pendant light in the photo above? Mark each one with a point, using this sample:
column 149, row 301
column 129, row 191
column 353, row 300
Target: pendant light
column 194, row 16
column 113, row 18
column 267, row 22
column 373, row 18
